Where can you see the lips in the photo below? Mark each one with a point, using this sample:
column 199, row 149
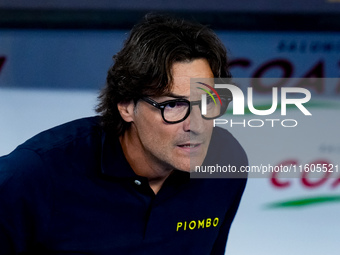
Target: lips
column 189, row 145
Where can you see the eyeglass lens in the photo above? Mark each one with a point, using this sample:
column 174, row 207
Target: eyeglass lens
column 176, row 111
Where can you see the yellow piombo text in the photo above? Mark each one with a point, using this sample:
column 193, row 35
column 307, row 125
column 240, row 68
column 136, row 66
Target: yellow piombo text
column 197, row 224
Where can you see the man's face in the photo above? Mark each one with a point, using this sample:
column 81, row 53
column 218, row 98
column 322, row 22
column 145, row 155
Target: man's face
column 175, row 146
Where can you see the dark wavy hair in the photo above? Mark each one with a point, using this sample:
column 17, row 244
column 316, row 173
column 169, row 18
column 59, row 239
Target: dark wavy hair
column 143, row 66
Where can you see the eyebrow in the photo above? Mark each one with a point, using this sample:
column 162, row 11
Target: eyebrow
column 176, row 96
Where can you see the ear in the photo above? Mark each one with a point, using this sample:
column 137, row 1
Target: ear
column 126, row 110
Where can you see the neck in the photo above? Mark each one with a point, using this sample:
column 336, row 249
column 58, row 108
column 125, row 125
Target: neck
column 142, row 163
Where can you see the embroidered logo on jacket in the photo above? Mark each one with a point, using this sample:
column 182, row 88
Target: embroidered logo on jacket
column 197, row 224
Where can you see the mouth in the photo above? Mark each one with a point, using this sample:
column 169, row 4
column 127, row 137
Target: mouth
column 191, row 148
column 189, row 145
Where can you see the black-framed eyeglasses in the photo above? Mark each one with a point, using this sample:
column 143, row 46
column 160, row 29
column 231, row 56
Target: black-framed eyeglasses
column 177, row 110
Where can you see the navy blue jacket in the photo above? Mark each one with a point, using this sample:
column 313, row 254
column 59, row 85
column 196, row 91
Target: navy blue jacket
column 70, row 190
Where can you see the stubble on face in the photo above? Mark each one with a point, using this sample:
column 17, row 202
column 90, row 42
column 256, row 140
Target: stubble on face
column 158, row 147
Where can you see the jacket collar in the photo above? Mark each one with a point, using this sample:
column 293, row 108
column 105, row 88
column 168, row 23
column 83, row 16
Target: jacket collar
column 114, row 163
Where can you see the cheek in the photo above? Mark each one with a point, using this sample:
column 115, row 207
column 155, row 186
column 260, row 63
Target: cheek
column 207, row 128
column 165, row 135
column 153, row 130
column 164, row 141
column 147, row 120
column 210, row 128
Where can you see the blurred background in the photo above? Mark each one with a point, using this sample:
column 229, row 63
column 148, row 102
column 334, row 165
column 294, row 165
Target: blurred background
column 54, row 56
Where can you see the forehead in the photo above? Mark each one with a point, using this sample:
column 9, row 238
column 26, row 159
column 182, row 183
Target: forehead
column 184, row 72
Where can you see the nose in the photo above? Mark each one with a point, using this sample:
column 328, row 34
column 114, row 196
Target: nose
column 194, row 123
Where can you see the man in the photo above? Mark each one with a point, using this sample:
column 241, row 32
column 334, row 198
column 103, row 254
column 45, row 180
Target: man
column 119, row 183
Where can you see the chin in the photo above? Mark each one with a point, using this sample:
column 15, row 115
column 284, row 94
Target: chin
column 184, row 167
column 188, row 161
column 189, row 165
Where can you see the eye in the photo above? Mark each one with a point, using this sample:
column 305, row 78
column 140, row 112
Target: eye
column 210, row 100
column 175, row 105
column 171, row 105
